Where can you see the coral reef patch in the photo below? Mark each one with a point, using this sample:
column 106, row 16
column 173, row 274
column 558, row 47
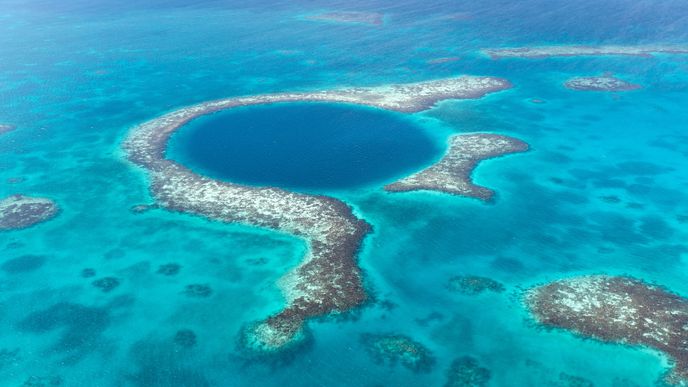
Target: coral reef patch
column 452, row 174
column 19, row 211
column 473, row 285
column 23, row 264
column 467, row 372
column 617, row 309
column 601, row 83
column 106, row 284
column 88, row 273
column 169, row 269
column 42, row 381
column 393, row 349
column 357, row 17
column 198, row 290
column 552, row 51
column 185, row 338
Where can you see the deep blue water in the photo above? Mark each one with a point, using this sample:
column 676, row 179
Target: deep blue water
column 601, row 191
column 304, row 146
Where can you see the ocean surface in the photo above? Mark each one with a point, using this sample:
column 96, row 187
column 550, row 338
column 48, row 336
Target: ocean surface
column 602, row 190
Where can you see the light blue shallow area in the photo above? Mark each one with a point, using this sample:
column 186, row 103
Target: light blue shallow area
column 601, row 191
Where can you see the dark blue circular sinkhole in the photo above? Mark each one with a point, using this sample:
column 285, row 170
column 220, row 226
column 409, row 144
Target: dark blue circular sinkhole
column 303, row 145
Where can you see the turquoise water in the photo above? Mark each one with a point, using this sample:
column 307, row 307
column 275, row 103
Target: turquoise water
column 305, row 146
column 601, row 191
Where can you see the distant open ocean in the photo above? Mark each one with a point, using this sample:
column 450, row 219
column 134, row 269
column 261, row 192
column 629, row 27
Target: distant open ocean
column 602, row 189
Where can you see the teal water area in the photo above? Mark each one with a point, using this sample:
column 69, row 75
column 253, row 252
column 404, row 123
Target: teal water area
column 602, row 190
column 304, row 146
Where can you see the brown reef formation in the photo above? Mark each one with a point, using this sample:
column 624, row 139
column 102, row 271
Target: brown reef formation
column 472, row 285
column 372, row 18
column 602, row 83
column 617, row 309
column 452, row 174
column 552, row 51
column 19, row 211
column 393, row 349
column 466, row 371
column 328, row 280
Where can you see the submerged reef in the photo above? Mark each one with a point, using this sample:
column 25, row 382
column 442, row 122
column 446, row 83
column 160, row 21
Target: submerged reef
column 169, row 269
column 19, row 211
column 392, row 349
column 617, row 309
column 198, row 290
column 550, row 51
column 106, row 284
column 452, row 174
column 473, row 285
column 327, row 280
column 603, row 83
column 185, row 338
column 23, row 264
column 467, row 372
column 88, row 272
column 372, row 18
column 567, row 380
column 42, row 381
column 5, row 128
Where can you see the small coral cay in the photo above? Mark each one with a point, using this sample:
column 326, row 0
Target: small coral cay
column 473, row 285
column 18, row 211
column 393, row 349
column 617, row 309
column 602, row 83
column 467, row 372
column 372, row 18
column 452, row 174
column 550, row 51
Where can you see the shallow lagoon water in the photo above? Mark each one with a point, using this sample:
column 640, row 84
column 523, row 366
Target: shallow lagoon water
column 602, row 190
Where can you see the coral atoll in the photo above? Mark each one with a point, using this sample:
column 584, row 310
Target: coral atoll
column 617, row 309
column 328, row 280
column 19, row 211
column 452, row 174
